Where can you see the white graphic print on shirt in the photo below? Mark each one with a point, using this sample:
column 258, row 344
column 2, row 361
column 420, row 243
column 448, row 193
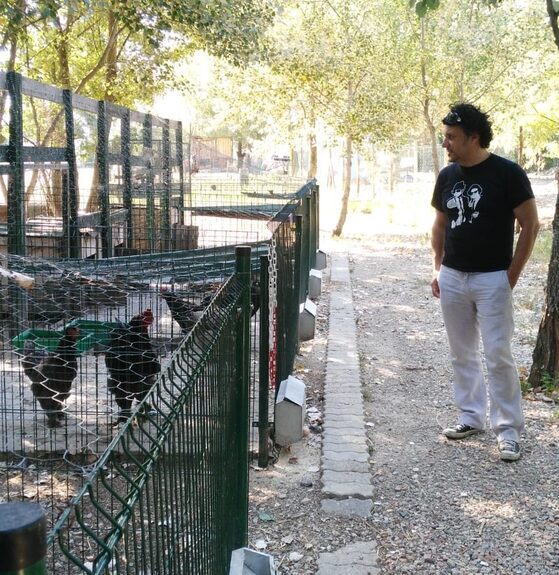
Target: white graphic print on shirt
column 465, row 202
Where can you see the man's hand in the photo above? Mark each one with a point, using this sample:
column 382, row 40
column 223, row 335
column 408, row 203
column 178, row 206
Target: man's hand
column 437, row 246
column 435, row 290
column 527, row 216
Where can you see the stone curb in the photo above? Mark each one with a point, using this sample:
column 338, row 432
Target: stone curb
column 346, row 476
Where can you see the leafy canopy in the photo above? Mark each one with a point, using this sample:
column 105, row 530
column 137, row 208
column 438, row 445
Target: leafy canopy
column 423, row 6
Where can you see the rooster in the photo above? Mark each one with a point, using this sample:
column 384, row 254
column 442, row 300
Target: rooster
column 52, row 375
column 131, row 363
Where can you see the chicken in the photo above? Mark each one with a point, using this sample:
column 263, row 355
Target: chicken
column 184, row 312
column 52, row 375
column 254, row 296
column 187, row 313
column 131, row 363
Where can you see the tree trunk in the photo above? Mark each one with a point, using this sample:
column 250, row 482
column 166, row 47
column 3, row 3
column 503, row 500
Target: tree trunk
column 293, row 162
column 313, row 156
column 545, row 359
column 330, row 181
column 110, row 78
column 10, row 38
column 392, row 175
column 520, row 158
column 427, row 103
column 553, row 20
column 433, row 139
column 240, row 155
column 358, row 190
column 347, row 186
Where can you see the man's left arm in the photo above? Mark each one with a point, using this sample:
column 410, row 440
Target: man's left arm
column 527, row 215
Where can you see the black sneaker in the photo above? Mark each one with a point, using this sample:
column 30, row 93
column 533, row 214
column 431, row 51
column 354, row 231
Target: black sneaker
column 509, row 450
column 460, row 431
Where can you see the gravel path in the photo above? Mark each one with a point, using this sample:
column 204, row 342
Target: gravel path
column 446, row 507
column 439, row 507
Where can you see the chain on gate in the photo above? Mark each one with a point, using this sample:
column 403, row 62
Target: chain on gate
column 272, row 312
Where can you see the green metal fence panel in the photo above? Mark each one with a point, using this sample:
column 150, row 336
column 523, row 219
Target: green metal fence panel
column 170, row 493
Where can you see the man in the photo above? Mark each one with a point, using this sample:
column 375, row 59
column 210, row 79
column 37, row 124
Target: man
column 477, row 198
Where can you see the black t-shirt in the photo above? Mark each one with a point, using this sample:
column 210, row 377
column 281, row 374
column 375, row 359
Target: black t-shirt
column 479, row 202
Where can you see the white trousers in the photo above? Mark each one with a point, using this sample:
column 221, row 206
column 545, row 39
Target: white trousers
column 474, row 304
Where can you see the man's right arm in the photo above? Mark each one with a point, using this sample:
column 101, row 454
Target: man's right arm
column 437, row 247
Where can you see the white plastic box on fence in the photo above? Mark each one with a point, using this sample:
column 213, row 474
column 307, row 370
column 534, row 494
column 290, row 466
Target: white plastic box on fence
column 245, row 561
column 307, row 320
column 290, row 411
column 321, row 260
column 315, row 284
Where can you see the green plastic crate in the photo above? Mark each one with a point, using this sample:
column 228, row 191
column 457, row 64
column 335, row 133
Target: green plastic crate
column 48, row 340
column 98, row 332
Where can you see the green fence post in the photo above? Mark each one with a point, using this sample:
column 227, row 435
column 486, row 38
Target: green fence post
column 242, row 269
column 23, row 539
column 180, row 166
column 16, row 185
column 147, row 137
column 70, row 192
column 103, row 167
column 305, row 249
column 297, row 286
column 317, row 216
column 125, row 150
column 165, row 201
column 264, row 365
column 301, row 253
column 312, row 229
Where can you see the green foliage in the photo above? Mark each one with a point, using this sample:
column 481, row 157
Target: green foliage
column 236, row 102
column 542, row 248
column 548, row 382
column 501, row 59
column 125, row 51
column 525, row 386
column 334, row 55
column 422, row 7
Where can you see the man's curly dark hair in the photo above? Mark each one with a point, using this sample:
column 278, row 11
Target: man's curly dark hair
column 472, row 120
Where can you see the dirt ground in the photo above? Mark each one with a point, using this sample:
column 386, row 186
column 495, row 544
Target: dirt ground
column 424, row 485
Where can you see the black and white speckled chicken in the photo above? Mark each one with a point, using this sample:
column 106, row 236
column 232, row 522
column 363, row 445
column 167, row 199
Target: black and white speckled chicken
column 186, row 313
column 131, row 363
column 52, row 374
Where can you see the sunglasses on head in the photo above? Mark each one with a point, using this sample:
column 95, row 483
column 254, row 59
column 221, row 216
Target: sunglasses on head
column 451, row 119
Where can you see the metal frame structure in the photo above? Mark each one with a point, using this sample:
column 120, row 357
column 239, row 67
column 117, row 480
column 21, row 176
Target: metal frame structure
column 160, row 477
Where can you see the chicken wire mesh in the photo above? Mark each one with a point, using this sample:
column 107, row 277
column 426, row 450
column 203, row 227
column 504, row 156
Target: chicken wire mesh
column 111, row 249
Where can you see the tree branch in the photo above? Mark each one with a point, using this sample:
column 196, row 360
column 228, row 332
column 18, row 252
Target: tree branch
column 102, row 59
column 553, row 16
column 538, row 113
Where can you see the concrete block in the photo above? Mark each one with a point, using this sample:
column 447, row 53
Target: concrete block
column 348, row 507
column 307, row 320
column 290, row 411
column 245, row 561
column 315, row 284
column 321, row 260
